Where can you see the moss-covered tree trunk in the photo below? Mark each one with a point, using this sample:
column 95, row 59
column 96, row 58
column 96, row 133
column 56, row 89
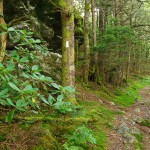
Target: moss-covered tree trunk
column 86, row 42
column 68, row 69
column 2, row 36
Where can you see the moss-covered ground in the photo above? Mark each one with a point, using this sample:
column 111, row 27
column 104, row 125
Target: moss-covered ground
column 50, row 132
column 127, row 96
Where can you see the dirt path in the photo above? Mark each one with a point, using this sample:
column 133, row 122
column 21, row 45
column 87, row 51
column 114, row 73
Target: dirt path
column 129, row 133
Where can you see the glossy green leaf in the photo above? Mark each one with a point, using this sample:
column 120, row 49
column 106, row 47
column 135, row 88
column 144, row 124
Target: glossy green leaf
column 10, row 102
column 60, row 97
column 14, row 86
column 10, row 116
column 44, row 100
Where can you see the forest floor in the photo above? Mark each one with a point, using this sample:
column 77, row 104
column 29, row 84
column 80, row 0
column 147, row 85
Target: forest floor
column 132, row 129
column 119, row 119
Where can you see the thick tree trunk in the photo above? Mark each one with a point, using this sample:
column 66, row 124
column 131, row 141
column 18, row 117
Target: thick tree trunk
column 86, row 42
column 2, row 36
column 68, row 69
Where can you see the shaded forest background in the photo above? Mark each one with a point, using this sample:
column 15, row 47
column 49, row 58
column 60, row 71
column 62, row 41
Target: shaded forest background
column 122, row 30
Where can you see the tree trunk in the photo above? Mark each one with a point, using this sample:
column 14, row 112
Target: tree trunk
column 128, row 65
column 68, row 69
column 76, row 52
column 96, row 73
column 2, row 36
column 86, row 42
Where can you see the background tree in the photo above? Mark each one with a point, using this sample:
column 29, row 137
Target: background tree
column 86, row 42
column 2, row 29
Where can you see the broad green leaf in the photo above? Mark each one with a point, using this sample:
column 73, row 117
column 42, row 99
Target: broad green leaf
column 3, row 92
column 35, row 112
column 14, row 86
column 21, row 103
column 23, row 60
column 28, row 88
column 69, row 89
column 51, row 99
column 10, row 102
column 18, row 103
column 37, row 41
column 35, row 67
column 60, row 97
column 11, row 29
column 3, row 33
column 29, row 33
column 25, row 75
column 10, row 67
column 10, row 116
column 44, row 100
column 55, row 86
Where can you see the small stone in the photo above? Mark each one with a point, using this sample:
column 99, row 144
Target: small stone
column 122, row 129
column 112, row 103
column 137, row 110
column 130, row 138
column 137, row 119
column 135, row 130
column 133, row 123
column 100, row 100
column 125, row 118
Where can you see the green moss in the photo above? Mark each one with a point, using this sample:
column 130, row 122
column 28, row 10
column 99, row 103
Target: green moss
column 62, row 3
column 100, row 119
column 2, row 137
column 139, row 145
column 126, row 96
column 145, row 123
column 46, row 141
column 101, row 140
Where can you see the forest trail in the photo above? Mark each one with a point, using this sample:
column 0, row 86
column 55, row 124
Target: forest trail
column 131, row 129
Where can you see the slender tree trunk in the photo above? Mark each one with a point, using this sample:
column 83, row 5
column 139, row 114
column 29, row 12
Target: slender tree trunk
column 68, row 69
column 97, row 75
column 76, row 52
column 3, row 36
column 101, row 30
column 101, row 21
column 86, row 42
column 128, row 65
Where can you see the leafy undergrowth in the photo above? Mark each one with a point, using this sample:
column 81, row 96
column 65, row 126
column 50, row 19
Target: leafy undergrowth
column 51, row 134
column 127, row 96
column 100, row 121
column 36, row 113
column 53, row 130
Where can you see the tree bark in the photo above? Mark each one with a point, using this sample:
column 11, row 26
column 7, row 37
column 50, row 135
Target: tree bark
column 2, row 36
column 68, row 69
column 96, row 73
column 76, row 52
column 86, row 42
